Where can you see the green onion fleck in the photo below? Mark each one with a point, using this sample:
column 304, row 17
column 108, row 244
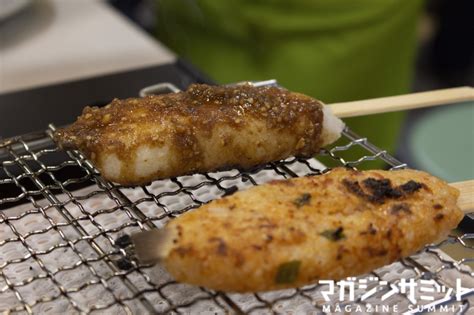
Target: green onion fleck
column 302, row 200
column 334, row 235
column 288, row 272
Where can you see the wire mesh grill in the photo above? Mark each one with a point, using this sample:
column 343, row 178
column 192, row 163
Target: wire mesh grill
column 58, row 233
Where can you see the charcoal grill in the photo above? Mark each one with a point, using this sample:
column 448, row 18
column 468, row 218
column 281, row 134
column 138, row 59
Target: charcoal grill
column 58, row 251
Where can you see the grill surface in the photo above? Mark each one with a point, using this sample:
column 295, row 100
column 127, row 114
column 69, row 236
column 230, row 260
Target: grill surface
column 58, row 234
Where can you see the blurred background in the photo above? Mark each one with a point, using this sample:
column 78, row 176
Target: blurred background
column 444, row 31
column 335, row 51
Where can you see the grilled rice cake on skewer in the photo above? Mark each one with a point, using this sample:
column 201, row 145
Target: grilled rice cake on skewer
column 294, row 232
column 204, row 128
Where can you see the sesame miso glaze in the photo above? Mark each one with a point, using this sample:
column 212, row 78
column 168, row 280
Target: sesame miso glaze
column 204, row 128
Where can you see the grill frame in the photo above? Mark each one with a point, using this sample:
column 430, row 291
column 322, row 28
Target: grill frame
column 51, row 198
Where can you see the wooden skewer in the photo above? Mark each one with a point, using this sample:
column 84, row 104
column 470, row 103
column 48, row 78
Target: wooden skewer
column 466, row 197
column 402, row 102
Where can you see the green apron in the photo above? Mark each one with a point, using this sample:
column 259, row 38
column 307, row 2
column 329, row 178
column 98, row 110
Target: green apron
column 334, row 50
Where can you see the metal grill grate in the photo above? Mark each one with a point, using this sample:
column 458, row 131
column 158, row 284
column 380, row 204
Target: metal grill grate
column 59, row 222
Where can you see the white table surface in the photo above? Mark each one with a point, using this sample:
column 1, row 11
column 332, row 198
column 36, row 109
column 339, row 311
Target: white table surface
column 61, row 40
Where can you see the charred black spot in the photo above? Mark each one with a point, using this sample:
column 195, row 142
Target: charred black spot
column 381, row 189
column 399, row 208
column 438, row 217
column 411, row 186
column 302, row 200
column 354, row 187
